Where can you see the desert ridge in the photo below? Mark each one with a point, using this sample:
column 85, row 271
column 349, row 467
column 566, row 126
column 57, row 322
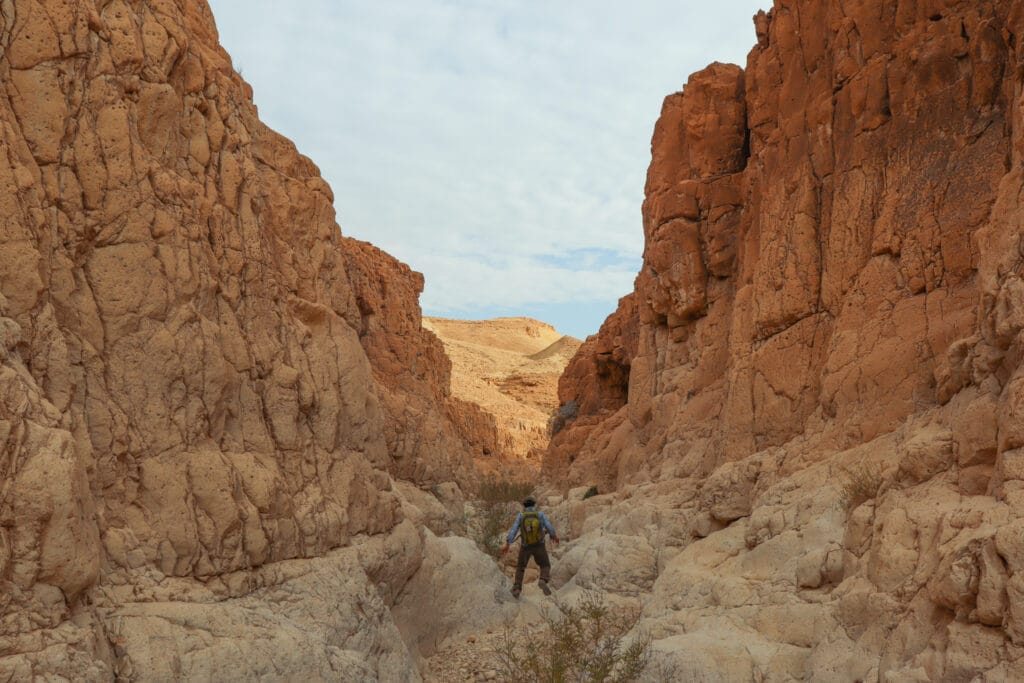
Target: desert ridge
column 510, row 367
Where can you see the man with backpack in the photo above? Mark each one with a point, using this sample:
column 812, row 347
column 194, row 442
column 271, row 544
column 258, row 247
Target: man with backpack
column 531, row 525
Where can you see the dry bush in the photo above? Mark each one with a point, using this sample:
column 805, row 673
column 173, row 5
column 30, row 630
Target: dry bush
column 580, row 642
column 491, row 527
column 494, row 490
column 862, row 483
column 498, row 502
column 565, row 414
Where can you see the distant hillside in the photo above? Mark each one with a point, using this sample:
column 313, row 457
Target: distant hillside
column 510, row 368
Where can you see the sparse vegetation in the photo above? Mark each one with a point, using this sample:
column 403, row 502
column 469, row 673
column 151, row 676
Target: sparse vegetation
column 494, row 490
column 862, row 483
column 585, row 641
column 565, row 414
column 498, row 501
column 590, row 493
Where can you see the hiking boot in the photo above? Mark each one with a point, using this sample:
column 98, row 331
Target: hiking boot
column 516, row 590
column 544, row 587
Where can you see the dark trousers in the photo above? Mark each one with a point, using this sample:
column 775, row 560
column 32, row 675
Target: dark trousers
column 540, row 555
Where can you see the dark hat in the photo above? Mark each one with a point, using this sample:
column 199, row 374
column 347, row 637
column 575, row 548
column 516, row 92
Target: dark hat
column 529, row 501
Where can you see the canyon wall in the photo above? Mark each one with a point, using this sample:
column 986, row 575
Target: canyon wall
column 204, row 389
column 432, row 434
column 826, row 242
column 805, row 423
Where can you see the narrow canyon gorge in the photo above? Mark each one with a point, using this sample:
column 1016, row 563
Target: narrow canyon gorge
column 232, row 447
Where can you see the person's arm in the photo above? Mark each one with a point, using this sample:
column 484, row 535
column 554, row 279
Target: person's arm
column 550, row 529
column 512, row 532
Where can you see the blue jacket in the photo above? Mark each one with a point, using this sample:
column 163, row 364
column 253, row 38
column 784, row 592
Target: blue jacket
column 544, row 523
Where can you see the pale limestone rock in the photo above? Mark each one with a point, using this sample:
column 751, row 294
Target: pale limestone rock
column 317, row 619
column 700, row 657
column 892, row 590
column 973, row 650
column 727, row 493
column 926, row 454
column 457, row 591
column 427, row 509
column 615, row 563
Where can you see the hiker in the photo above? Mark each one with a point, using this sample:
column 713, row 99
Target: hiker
column 531, row 525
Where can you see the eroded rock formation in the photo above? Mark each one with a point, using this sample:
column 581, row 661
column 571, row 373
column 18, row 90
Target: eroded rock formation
column 196, row 448
column 815, row 227
column 433, row 433
column 819, row 439
column 510, row 369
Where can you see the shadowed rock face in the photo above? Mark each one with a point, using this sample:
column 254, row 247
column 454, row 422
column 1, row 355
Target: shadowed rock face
column 432, row 435
column 185, row 402
column 829, row 233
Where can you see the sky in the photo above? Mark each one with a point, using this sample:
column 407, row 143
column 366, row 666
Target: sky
column 500, row 147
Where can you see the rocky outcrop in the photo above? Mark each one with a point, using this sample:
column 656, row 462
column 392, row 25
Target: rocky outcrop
column 819, row 435
column 193, row 441
column 594, row 387
column 822, row 234
column 432, row 435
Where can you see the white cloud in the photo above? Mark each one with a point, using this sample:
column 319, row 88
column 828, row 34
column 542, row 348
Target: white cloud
column 518, row 279
column 483, row 142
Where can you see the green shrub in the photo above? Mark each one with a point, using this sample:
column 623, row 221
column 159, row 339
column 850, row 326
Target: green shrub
column 590, row 493
column 491, row 526
column 580, row 642
column 494, row 490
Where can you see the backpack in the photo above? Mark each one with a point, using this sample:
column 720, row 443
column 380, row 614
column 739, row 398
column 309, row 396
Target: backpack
column 530, row 528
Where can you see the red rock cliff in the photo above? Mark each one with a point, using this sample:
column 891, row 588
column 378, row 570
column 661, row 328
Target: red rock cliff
column 831, row 244
column 816, row 471
column 186, row 407
column 432, row 436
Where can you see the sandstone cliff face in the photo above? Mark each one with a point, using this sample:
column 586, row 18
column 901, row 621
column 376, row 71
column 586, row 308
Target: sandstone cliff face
column 817, row 455
column 433, row 435
column 594, row 388
column 186, row 409
column 816, row 230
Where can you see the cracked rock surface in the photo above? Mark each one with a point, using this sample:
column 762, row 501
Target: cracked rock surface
column 810, row 406
column 205, row 390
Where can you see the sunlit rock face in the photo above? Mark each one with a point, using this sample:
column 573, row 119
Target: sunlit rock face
column 509, row 368
column 830, row 238
column 811, row 403
column 187, row 406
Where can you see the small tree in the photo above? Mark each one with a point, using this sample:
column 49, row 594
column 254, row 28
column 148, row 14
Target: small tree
column 580, row 642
